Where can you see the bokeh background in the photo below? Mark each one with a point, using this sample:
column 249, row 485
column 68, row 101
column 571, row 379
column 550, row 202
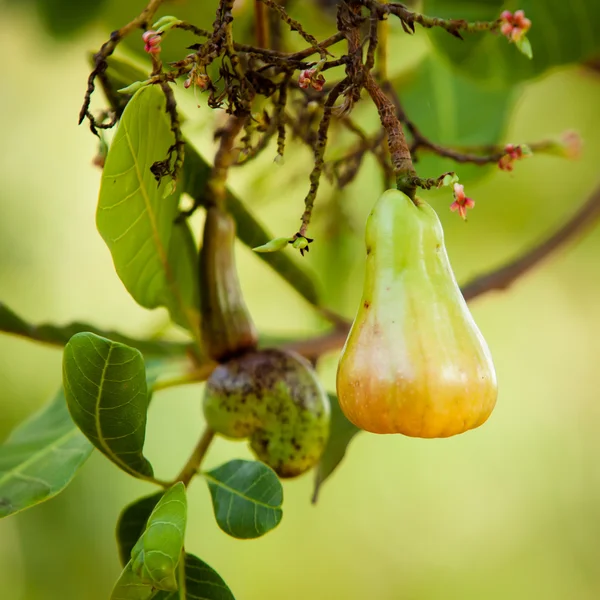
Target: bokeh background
column 511, row 510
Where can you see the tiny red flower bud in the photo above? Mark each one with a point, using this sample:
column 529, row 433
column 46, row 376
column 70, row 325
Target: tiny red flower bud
column 506, row 15
column 148, row 34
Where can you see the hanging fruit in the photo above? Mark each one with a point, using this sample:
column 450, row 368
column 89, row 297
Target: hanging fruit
column 414, row 362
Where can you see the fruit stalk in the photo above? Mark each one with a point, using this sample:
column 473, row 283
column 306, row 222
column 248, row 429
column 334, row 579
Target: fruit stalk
column 227, row 328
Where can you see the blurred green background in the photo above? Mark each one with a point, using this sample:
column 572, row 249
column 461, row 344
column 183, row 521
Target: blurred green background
column 511, row 510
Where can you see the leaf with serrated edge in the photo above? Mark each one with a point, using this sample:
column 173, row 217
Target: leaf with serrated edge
column 107, row 395
column 247, row 498
column 156, row 554
column 201, row 582
column 134, row 218
column 40, row 457
column 341, row 433
column 132, row 522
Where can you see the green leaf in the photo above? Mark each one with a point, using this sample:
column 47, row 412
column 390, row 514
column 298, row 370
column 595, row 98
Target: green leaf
column 156, row 554
column 132, row 522
column 274, row 245
column 524, row 46
column 40, row 457
column 561, row 33
column 59, row 335
column 64, row 17
column 341, row 432
column 134, row 218
column 247, row 498
column 196, row 171
column 130, row 587
column 454, row 111
column 183, row 256
column 201, row 583
column 106, row 391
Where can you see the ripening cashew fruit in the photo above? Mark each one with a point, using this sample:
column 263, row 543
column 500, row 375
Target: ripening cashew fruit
column 414, row 362
column 273, row 398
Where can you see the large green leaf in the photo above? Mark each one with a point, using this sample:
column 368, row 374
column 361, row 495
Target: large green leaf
column 155, row 556
column 64, row 18
column 107, row 395
column 183, row 258
column 132, row 522
column 59, row 335
column 247, row 498
column 40, row 457
column 130, row 587
column 453, row 111
column 135, row 218
column 196, row 171
column 341, row 432
column 561, row 33
column 201, row 583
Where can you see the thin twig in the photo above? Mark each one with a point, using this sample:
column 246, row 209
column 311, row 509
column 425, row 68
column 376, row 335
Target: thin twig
column 321, row 145
column 192, row 466
column 195, row 376
column 100, row 64
column 408, row 18
column 295, row 26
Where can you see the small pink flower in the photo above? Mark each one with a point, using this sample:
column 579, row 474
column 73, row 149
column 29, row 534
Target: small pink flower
column 512, row 154
column 309, row 77
column 152, row 41
column 514, row 26
column 461, row 202
column 304, row 78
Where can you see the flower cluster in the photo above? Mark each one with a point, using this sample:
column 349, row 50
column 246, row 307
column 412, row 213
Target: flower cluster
column 152, row 41
column 512, row 154
column 310, row 77
column 514, row 26
column 461, row 202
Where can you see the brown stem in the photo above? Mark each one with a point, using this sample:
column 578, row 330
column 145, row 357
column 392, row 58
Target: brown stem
column 261, row 25
column 401, row 159
column 192, row 466
column 225, row 157
column 361, row 75
column 319, row 153
column 497, row 279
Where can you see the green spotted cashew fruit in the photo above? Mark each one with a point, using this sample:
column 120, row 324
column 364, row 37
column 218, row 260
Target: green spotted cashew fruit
column 273, row 398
